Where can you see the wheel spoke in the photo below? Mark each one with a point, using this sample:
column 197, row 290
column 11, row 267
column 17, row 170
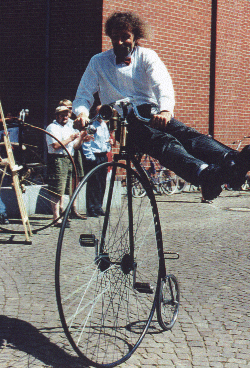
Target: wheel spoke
column 104, row 316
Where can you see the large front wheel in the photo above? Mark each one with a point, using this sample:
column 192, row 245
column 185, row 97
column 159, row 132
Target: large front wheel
column 107, row 270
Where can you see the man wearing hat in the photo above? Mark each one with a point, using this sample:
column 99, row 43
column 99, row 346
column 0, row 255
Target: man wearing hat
column 59, row 175
column 77, row 160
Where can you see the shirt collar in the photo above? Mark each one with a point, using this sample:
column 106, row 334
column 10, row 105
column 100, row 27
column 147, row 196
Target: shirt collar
column 130, row 55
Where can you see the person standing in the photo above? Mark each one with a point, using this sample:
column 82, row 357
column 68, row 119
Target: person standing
column 59, row 175
column 77, row 160
column 94, row 153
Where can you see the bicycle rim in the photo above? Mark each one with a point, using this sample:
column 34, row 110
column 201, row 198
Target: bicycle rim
column 168, row 182
column 168, row 303
column 137, row 189
column 106, row 300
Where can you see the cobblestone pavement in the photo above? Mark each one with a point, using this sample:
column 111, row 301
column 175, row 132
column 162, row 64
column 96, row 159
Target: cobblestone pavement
column 213, row 325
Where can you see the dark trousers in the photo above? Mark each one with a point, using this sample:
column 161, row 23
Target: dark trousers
column 96, row 185
column 179, row 148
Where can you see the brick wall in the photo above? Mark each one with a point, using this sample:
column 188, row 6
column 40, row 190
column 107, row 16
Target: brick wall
column 22, row 47
column 232, row 114
column 181, row 37
column 74, row 35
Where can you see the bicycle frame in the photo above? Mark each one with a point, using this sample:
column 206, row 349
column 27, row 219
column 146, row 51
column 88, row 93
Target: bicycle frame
column 130, row 158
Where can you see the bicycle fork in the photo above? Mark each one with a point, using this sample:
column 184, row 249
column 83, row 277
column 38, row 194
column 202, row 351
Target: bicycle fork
column 128, row 263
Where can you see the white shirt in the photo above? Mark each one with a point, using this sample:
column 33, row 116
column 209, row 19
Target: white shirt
column 100, row 142
column 145, row 80
column 61, row 132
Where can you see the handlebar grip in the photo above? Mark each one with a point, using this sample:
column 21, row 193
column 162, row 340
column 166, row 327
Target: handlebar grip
column 105, row 112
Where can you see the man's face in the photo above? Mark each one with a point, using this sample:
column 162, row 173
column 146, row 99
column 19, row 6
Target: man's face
column 70, row 109
column 62, row 117
column 123, row 42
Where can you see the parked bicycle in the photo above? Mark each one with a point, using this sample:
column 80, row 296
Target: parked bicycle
column 110, row 273
column 32, row 177
column 162, row 180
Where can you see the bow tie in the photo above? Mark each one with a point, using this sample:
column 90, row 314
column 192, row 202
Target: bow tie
column 126, row 60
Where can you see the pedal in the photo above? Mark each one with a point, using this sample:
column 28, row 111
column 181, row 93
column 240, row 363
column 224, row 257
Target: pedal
column 143, row 287
column 171, row 255
column 88, row 240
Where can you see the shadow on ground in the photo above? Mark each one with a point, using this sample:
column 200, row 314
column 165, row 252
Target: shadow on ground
column 21, row 335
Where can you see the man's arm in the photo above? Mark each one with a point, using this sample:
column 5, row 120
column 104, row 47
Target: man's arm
column 162, row 86
column 87, row 88
column 71, row 138
column 84, row 96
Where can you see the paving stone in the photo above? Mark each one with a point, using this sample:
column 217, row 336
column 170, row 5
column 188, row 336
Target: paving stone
column 212, row 329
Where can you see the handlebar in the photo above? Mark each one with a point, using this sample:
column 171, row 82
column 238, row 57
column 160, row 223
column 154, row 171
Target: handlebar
column 106, row 111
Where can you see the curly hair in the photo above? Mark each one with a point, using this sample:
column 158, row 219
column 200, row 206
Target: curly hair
column 128, row 21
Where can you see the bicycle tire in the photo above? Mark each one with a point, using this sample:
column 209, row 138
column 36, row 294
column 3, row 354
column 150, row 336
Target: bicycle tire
column 137, row 189
column 106, row 300
column 246, row 185
column 181, row 184
column 168, row 303
column 37, row 197
column 168, row 182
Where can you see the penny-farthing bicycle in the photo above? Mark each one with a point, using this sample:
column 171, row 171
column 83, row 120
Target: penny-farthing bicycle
column 110, row 273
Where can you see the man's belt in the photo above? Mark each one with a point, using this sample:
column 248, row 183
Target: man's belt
column 57, row 155
column 100, row 154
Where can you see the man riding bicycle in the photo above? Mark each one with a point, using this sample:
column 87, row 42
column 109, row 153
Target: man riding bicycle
column 129, row 70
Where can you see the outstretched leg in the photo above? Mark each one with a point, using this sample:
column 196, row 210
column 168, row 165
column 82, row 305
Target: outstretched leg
column 197, row 158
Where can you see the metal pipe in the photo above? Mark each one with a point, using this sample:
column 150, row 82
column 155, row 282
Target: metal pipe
column 46, row 77
column 212, row 67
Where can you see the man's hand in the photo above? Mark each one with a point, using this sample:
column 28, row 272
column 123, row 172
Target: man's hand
column 4, row 161
column 72, row 137
column 81, row 121
column 85, row 137
column 160, row 121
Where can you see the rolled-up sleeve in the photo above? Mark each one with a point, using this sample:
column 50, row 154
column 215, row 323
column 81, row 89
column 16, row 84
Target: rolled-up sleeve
column 161, row 82
column 50, row 140
column 87, row 87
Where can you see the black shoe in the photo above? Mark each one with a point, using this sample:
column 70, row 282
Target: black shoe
column 211, row 180
column 92, row 214
column 4, row 219
column 100, row 212
column 239, row 166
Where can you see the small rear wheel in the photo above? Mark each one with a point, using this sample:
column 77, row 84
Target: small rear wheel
column 168, row 303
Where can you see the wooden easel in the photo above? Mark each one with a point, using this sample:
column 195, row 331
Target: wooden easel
column 13, row 168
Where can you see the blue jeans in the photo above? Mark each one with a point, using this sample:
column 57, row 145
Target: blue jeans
column 96, row 185
column 179, row 148
column 2, row 206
